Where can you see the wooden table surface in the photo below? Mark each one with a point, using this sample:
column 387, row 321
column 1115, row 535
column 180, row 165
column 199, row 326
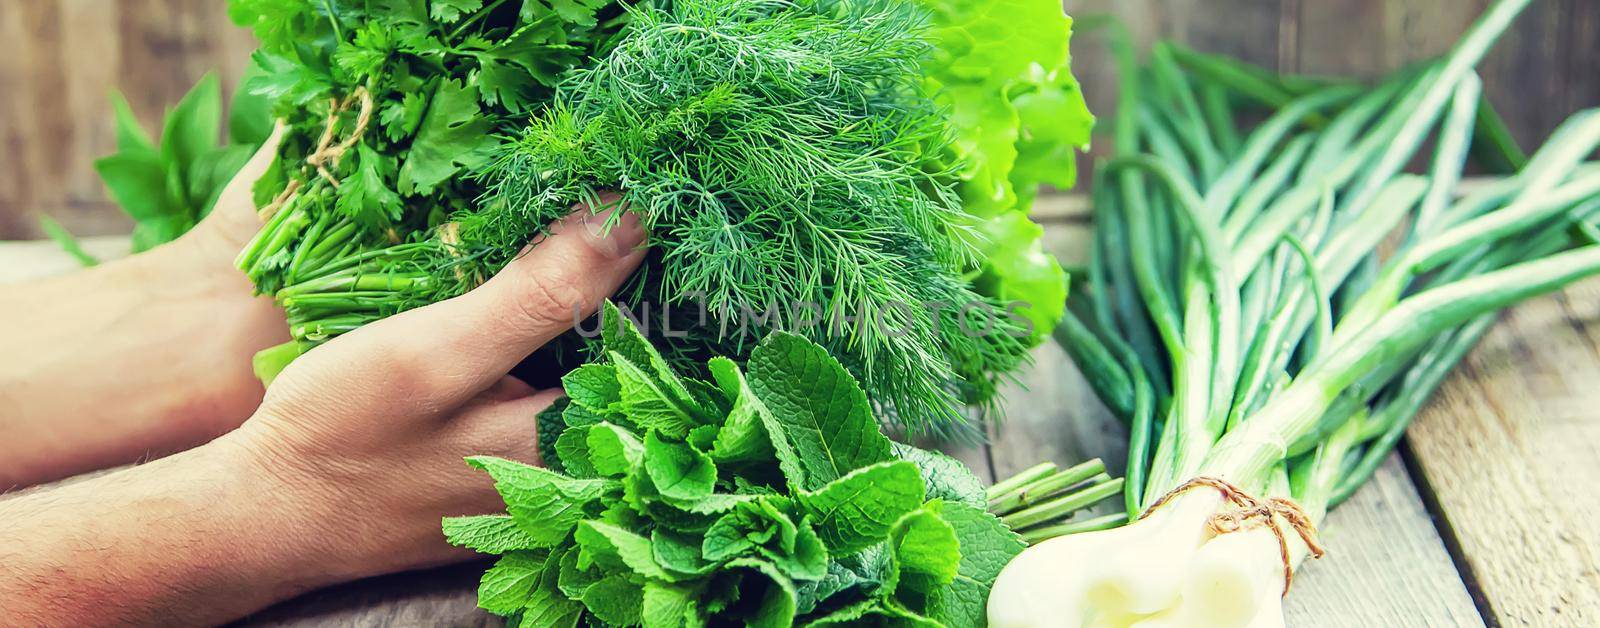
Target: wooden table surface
column 1488, row 515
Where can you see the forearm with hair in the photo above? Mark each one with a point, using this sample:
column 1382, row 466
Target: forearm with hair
column 134, row 359
column 201, row 537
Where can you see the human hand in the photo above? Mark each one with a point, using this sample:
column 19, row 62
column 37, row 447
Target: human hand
column 370, row 430
column 343, row 472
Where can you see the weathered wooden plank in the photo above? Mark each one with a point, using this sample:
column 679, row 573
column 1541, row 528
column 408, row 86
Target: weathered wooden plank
column 436, row 597
column 1386, row 565
column 1509, row 450
column 33, row 259
column 1535, row 75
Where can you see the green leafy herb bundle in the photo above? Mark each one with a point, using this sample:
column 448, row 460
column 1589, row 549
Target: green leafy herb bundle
column 389, row 104
column 766, row 495
column 168, row 185
column 795, row 161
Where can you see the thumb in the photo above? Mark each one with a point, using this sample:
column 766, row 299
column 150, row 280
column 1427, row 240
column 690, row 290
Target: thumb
column 235, row 215
column 450, row 351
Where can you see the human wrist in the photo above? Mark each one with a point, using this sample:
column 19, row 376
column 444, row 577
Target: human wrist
column 285, row 532
column 339, row 511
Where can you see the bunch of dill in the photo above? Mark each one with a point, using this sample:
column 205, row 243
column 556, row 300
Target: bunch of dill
column 779, row 151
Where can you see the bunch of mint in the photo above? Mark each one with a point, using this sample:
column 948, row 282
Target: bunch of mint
column 767, row 496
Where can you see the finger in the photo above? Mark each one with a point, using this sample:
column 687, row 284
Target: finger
column 508, row 388
column 448, row 352
column 238, row 191
column 510, row 429
column 236, row 208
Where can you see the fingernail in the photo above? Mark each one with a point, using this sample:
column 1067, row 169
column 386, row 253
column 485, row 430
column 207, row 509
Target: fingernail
column 616, row 238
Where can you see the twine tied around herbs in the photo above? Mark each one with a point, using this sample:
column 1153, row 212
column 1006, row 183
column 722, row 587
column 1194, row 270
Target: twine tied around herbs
column 1251, row 512
column 327, row 154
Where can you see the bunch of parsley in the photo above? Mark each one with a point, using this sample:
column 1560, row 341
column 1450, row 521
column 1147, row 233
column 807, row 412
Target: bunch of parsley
column 766, row 495
column 409, row 96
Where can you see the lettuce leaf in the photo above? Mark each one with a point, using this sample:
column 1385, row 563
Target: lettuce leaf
column 1003, row 68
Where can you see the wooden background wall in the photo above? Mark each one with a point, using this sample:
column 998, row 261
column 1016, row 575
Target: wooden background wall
column 60, row 58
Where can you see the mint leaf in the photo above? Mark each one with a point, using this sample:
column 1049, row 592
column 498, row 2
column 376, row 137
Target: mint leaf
column 875, row 613
column 926, row 549
column 858, row 510
column 649, row 402
column 817, row 408
column 679, row 552
column 669, row 606
column 678, row 470
column 986, row 546
column 490, row 534
column 593, row 386
column 743, row 437
column 572, row 448
column 547, row 505
column 862, row 574
column 545, row 604
column 945, row 478
column 762, row 528
column 615, row 599
column 620, row 549
column 613, row 450
column 551, row 427
column 507, row 586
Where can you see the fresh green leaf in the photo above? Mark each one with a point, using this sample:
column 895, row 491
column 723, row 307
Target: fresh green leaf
column 453, row 136
column 451, row 11
column 250, row 120
column 668, row 606
column 131, row 137
column 817, row 408
column 926, row 549
column 551, row 427
column 945, row 478
column 192, row 130
column 613, row 450
column 545, row 504
column 615, row 599
column 507, row 586
column 138, row 182
column 490, row 534
column 986, row 546
column 621, row 548
column 678, row 470
column 593, row 386
column 859, row 509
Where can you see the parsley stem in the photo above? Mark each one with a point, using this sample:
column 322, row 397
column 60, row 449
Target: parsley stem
column 333, row 18
column 462, row 27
